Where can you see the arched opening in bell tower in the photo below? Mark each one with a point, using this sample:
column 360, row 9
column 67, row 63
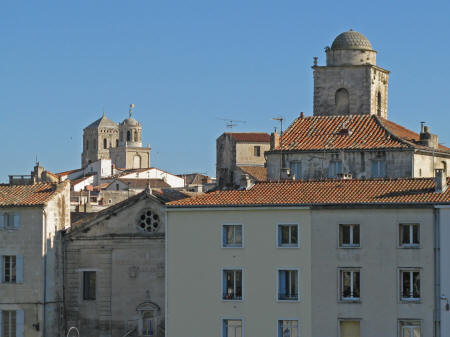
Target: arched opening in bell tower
column 342, row 102
column 128, row 136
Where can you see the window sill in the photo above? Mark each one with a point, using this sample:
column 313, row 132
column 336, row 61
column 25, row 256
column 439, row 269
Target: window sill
column 409, row 247
column 351, row 301
column 288, row 246
column 232, row 246
column 350, row 247
column 410, row 300
column 230, row 300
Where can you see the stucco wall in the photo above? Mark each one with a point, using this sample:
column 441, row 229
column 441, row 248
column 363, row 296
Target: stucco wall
column 194, row 270
column 444, row 221
column 245, row 153
column 379, row 260
column 424, row 167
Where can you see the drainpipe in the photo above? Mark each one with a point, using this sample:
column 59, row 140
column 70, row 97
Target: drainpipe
column 45, row 273
column 437, row 273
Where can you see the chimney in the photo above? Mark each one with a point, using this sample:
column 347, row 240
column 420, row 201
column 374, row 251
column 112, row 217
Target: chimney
column 344, row 176
column 246, row 183
column 428, row 139
column 302, row 114
column 440, row 181
column 274, row 140
column 37, row 173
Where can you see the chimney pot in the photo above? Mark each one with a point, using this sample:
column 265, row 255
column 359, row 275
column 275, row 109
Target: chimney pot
column 274, row 140
column 302, row 114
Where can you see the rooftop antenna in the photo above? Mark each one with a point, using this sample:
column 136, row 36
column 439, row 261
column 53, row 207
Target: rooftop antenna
column 280, row 119
column 231, row 123
column 130, row 110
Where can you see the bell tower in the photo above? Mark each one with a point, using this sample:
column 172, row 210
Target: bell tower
column 351, row 82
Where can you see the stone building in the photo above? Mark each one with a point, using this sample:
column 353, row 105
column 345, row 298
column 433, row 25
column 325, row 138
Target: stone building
column 350, row 132
column 32, row 217
column 240, row 151
column 104, row 139
column 114, row 269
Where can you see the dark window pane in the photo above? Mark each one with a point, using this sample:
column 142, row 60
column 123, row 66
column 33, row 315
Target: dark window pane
column 406, row 284
column 416, row 234
column 416, row 288
column 356, row 291
column 346, row 288
column 89, row 284
column 405, row 234
column 356, row 234
column 345, row 234
column 284, row 234
column 294, row 234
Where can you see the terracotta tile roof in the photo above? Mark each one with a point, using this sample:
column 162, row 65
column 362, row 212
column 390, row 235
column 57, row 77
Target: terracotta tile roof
column 66, row 173
column 347, row 132
column 258, row 173
column 325, row 192
column 79, row 180
column 257, row 137
column 26, row 195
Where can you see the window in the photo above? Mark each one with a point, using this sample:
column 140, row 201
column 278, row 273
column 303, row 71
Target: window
column 350, row 284
column 128, row 136
column 295, row 167
column 232, row 328
column 409, row 235
column 89, row 280
column 257, row 151
column 348, row 236
column 136, row 136
column 334, row 169
column 12, row 269
column 9, row 220
column 117, row 142
column 288, row 236
column 379, row 104
column 105, row 143
column 410, row 285
column 9, row 324
column 342, row 102
column 147, row 323
column 232, row 284
column 232, row 236
column 288, row 328
column 87, row 145
column 288, row 285
column 409, row 328
column 378, row 169
column 349, row 328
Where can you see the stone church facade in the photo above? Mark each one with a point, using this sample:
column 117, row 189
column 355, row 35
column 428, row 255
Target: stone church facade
column 122, row 143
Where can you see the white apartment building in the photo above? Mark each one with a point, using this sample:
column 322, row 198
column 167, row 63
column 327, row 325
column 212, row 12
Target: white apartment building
column 340, row 258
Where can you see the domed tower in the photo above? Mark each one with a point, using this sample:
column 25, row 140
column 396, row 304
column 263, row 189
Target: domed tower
column 98, row 138
column 130, row 154
column 351, row 82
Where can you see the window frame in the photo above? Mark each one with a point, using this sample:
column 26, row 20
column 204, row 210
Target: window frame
column 278, row 235
column 352, row 270
column 336, row 166
column 409, row 245
column 257, row 150
column 409, row 323
column 400, row 285
column 229, row 318
column 280, row 320
column 277, row 289
column 222, row 235
column 296, row 163
column 222, row 279
column 348, row 320
column 378, row 162
column 10, row 220
column 352, row 245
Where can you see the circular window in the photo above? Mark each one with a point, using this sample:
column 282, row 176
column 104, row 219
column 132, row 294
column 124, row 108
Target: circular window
column 148, row 221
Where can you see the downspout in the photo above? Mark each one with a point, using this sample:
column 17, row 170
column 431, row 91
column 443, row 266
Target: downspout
column 437, row 273
column 45, row 273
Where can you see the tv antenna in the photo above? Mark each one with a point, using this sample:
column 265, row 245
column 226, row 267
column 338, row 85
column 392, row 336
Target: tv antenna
column 232, row 122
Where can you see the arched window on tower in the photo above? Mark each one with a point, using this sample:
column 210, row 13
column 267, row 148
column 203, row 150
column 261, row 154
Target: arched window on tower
column 379, row 104
column 342, row 102
column 105, row 143
column 117, row 143
column 87, row 145
column 128, row 136
column 135, row 136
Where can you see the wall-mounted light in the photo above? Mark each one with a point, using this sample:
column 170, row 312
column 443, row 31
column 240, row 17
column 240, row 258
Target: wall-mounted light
column 444, row 298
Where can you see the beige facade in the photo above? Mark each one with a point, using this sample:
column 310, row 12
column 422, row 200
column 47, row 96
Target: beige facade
column 35, row 297
column 122, row 249
column 194, row 249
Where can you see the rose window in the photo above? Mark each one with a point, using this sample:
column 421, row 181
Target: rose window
column 148, row 221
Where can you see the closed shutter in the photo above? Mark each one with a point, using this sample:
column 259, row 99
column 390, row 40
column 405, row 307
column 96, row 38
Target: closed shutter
column 20, row 323
column 2, row 221
column 350, row 329
column 16, row 221
column 282, row 284
column 224, row 328
column 19, row 269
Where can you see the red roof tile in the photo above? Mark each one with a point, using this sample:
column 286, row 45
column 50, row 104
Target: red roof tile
column 26, row 195
column 325, row 192
column 347, row 132
column 259, row 173
column 257, row 137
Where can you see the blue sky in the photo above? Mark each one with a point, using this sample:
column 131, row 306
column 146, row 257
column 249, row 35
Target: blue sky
column 185, row 64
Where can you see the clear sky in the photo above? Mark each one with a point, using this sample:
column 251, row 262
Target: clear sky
column 185, row 64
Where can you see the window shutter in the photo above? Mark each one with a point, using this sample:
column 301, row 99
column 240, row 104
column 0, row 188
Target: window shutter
column 282, row 282
column 19, row 268
column 224, row 328
column 224, row 236
column 224, row 284
column 383, row 169
column 20, row 324
column 280, row 328
column 2, row 221
column 16, row 221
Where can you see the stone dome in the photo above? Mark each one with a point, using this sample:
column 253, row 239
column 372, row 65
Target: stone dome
column 351, row 40
column 131, row 122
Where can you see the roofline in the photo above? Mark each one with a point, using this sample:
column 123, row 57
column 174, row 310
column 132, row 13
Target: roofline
column 373, row 149
column 355, row 66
